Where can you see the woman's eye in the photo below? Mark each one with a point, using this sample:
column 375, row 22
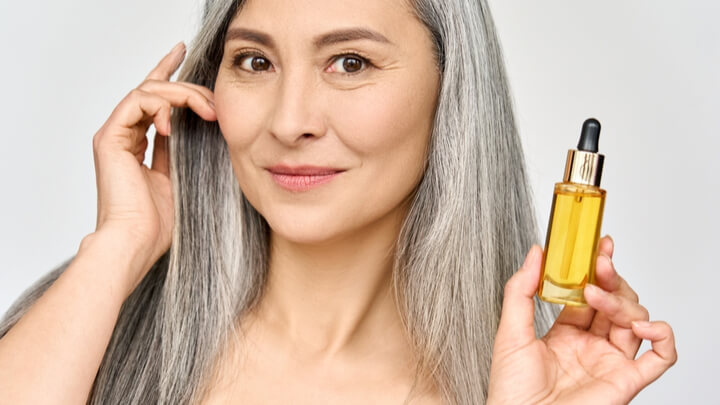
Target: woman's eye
column 349, row 64
column 251, row 62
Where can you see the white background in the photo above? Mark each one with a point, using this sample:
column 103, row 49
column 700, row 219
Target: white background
column 648, row 70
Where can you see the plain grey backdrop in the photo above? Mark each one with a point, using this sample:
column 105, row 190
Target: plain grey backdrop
column 648, row 70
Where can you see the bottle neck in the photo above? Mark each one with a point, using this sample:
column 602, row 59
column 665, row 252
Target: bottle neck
column 583, row 167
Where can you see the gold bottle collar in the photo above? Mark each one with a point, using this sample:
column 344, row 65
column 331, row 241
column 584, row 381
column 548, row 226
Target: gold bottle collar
column 583, row 167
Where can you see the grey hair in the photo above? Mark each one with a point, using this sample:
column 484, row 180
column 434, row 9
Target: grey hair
column 469, row 226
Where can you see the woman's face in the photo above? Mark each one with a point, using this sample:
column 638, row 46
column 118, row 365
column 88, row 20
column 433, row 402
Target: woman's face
column 294, row 90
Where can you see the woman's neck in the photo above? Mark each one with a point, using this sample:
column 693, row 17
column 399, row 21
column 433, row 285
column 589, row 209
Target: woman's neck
column 323, row 299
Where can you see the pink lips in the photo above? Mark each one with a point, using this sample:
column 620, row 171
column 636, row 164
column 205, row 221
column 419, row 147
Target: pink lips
column 302, row 178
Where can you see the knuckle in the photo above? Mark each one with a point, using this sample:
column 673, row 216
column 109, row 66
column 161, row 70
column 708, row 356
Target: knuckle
column 628, row 291
column 146, row 83
column 97, row 139
column 633, row 295
column 149, row 85
column 201, row 101
column 164, row 109
column 135, row 94
column 638, row 311
column 666, row 328
column 645, row 313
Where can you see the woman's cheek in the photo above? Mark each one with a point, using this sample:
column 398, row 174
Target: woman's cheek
column 237, row 118
column 369, row 119
column 387, row 129
column 233, row 117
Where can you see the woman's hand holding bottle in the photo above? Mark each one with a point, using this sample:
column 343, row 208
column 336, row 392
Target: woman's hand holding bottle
column 135, row 203
column 588, row 356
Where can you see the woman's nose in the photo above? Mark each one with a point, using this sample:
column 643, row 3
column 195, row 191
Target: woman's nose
column 298, row 111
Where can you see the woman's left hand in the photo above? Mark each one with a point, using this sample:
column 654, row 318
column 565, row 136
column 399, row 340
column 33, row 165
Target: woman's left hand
column 588, row 356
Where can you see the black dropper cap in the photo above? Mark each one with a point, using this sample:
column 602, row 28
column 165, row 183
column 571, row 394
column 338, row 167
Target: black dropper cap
column 590, row 136
column 584, row 164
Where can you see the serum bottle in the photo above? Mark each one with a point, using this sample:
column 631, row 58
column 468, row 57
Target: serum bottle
column 575, row 220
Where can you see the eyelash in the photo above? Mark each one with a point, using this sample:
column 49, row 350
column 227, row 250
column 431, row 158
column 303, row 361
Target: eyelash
column 367, row 63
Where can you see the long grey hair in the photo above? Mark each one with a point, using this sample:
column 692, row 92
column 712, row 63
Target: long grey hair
column 469, row 227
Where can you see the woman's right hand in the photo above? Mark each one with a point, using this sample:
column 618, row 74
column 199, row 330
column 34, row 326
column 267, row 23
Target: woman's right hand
column 589, row 354
column 135, row 202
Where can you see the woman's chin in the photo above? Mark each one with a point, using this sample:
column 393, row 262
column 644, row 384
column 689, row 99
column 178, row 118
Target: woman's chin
column 307, row 226
column 304, row 233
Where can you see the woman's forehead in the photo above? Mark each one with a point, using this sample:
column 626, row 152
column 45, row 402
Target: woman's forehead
column 383, row 18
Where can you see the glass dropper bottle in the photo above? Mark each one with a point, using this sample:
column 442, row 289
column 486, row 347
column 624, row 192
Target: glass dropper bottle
column 574, row 227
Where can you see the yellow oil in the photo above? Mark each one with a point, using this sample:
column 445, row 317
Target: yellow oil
column 571, row 243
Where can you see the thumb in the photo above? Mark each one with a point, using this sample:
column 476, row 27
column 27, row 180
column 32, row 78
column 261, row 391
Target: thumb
column 518, row 310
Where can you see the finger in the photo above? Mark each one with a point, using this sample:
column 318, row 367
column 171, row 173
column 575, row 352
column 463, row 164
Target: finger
column 517, row 317
column 608, row 279
column 606, row 245
column 168, row 64
column 129, row 121
column 142, row 108
column 183, row 91
column 653, row 363
column 619, row 310
column 152, row 86
column 614, row 319
column 161, row 157
column 620, row 336
column 625, row 340
column 202, row 89
column 139, row 105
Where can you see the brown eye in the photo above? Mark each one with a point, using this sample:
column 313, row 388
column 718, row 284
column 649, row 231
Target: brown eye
column 257, row 63
column 349, row 64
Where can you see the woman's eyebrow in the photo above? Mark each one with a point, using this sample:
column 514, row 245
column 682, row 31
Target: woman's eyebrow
column 329, row 38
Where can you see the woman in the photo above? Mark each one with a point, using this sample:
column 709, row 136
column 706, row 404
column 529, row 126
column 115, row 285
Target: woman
column 232, row 271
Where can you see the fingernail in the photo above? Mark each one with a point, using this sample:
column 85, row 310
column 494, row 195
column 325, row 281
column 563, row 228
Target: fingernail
column 641, row 324
column 530, row 256
column 177, row 47
column 595, row 289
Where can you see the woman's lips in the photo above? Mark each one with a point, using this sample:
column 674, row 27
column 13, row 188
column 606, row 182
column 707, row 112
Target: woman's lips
column 302, row 182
